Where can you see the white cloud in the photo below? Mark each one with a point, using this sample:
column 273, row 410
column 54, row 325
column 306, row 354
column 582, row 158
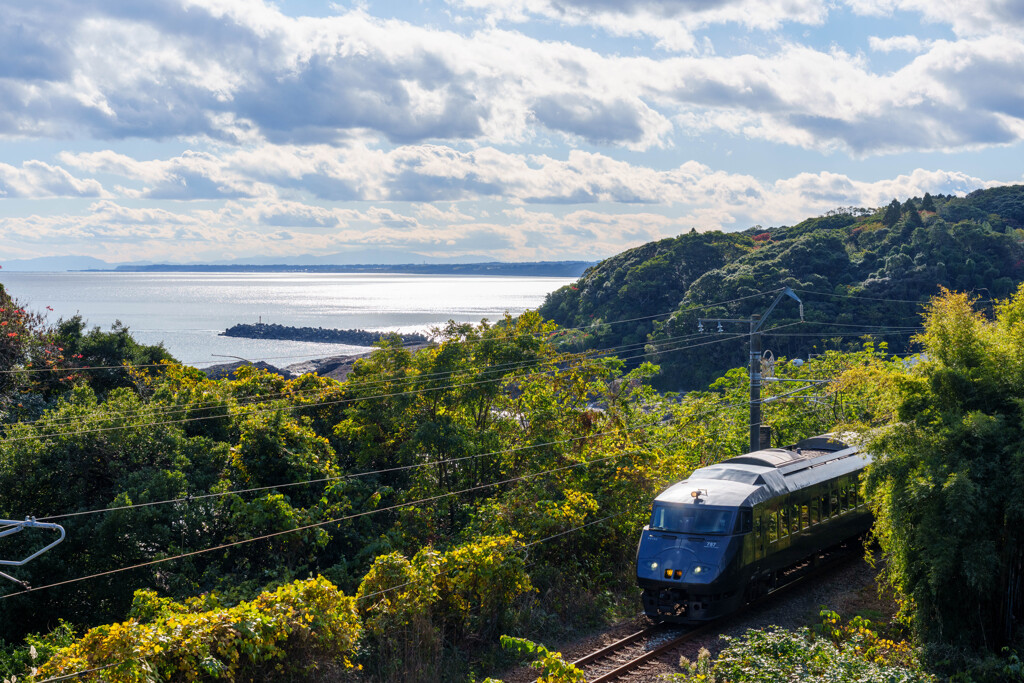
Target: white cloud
column 897, row 44
column 672, row 24
column 213, row 70
column 707, row 199
column 38, row 180
column 981, row 18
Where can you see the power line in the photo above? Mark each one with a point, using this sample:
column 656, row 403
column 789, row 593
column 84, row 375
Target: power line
column 524, row 547
column 331, row 521
column 313, row 525
column 76, row 674
column 36, row 437
column 354, row 475
column 467, row 341
column 867, row 298
column 326, row 522
column 351, row 384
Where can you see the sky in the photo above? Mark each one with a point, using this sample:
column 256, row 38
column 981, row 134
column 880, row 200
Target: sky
column 515, row 130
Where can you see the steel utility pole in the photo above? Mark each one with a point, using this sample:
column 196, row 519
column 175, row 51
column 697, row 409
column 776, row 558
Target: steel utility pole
column 756, row 321
column 755, row 383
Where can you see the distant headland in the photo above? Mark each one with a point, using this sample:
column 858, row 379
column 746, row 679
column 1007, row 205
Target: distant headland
column 533, row 269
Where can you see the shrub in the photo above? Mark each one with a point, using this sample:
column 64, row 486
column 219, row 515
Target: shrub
column 283, row 633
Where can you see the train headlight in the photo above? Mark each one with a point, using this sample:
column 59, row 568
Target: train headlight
column 700, row 573
column 654, row 565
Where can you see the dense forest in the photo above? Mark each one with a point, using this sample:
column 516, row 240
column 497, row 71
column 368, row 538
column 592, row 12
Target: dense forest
column 406, row 522
column 854, row 269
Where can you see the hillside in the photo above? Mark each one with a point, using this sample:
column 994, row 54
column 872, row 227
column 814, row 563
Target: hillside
column 857, row 271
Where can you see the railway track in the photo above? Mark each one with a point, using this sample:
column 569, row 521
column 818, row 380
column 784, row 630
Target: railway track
column 627, row 655
column 632, row 652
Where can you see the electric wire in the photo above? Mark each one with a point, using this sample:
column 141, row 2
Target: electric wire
column 872, row 298
column 353, row 384
column 524, row 547
column 476, row 341
column 76, row 674
column 331, row 521
column 372, row 397
column 312, row 525
column 354, row 475
column 337, row 519
column 37, row 437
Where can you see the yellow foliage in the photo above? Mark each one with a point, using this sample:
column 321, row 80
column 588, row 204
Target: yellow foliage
column 287, row 629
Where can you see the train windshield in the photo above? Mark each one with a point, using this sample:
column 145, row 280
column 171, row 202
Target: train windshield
column 691, row 519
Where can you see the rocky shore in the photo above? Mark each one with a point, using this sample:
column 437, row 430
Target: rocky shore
column 335, row 367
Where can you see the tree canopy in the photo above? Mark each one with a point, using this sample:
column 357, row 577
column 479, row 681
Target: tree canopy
column 858, row 272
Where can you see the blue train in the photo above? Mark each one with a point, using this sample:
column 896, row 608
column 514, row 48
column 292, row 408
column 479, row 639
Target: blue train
column 725, row 536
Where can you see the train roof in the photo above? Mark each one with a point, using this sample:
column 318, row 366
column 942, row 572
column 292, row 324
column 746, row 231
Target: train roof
column 751, row 478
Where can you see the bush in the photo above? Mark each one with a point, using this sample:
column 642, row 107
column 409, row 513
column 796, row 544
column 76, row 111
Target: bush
column 283, row 633
column 852, row 652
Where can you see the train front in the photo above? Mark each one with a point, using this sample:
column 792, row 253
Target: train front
column 690, row 558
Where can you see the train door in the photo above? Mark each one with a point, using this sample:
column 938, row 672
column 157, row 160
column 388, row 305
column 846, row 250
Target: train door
column 761, row 520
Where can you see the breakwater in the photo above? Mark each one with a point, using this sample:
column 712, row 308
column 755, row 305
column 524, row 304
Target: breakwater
column 314, row 334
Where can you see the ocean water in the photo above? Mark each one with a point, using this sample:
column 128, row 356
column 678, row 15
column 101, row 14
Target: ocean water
column 187, row 311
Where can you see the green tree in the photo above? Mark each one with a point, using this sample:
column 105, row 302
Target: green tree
column 892, row 213
column 947, row 484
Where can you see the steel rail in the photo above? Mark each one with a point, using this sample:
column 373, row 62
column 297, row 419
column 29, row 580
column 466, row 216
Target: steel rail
column 804, row 572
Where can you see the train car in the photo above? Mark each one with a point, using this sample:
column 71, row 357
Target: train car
column 726, row 535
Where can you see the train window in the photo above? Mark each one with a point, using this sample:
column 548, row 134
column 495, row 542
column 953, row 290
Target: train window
column 690, row 519
column 844, row 497
column 805, row 516
column 833, row 500
column 853, row 496
column 784, row 523
column 823, row 503
column 795, row 521
column 814, row 512
column 758, row 528
column 773, row 527
column 743, row 522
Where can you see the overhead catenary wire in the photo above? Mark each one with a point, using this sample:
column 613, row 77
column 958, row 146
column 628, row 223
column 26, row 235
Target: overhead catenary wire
column 323, row 523
column 36, row 437
column 523, row 547
column 276, row 408
column 329, row 521
column 413, row 378
column 596, row 354
column 468, row 341
column 922, row 302
column 353, row 475
column 313, row 525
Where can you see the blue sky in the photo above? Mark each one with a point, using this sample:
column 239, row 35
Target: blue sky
column 210, row 130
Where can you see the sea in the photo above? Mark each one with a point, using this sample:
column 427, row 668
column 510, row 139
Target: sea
column 186, row 312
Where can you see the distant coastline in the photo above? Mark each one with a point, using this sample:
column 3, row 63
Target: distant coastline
column 532, row 269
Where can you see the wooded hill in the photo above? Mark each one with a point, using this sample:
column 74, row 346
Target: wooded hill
column 858, row 271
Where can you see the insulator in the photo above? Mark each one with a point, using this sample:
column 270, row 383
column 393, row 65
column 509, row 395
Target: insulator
column 700, row 326
column 719, row 327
